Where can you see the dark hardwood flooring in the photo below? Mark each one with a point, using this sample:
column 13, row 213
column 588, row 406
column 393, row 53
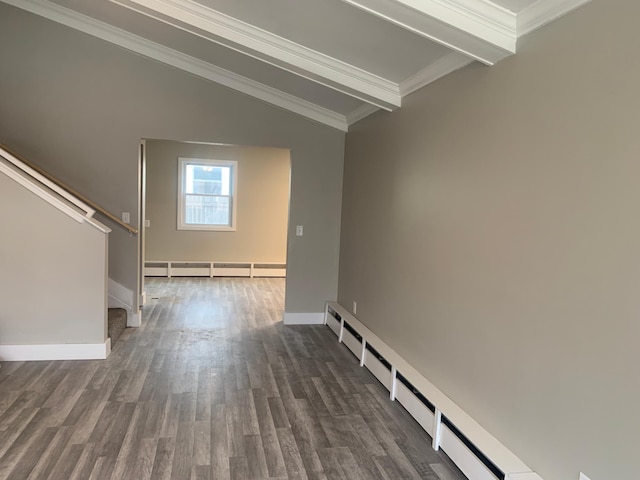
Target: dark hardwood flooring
column 212, row 386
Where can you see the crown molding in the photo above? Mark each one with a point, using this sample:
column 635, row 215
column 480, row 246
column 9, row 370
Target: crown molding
column 447, row 64
column 182, row 61
column 542, row 12
column 276, row 50
column 361, row 112
column 478, row 29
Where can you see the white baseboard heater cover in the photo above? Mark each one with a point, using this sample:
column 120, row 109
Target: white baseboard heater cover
column 421, row 409
column 334, row 321
column 156, row 268
column 471, row 461
column 378, row 365
column 352, row 340
column 476, row 453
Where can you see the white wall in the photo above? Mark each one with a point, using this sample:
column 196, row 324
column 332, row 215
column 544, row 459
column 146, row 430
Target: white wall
column 491, row 236
column 52, row 273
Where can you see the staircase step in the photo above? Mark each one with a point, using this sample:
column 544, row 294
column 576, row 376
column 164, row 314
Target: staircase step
column 116, row 323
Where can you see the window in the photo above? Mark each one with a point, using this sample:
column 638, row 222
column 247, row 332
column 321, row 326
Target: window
column 207, row 194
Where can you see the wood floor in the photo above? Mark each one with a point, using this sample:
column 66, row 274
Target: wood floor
column 212, row 386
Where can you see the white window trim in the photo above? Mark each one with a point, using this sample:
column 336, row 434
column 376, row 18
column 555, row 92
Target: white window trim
column 182, row 162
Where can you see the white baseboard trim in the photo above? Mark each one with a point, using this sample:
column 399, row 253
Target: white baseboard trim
column 121, row 294
column 67, row 351
column 134, row 319
column 122, row 297
column 303, row 318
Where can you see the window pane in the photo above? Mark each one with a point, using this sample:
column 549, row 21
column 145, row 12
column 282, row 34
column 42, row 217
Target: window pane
column 208, row 179
column 207, row 210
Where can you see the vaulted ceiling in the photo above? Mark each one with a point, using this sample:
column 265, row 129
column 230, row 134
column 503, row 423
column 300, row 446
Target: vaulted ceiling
column 333, row 61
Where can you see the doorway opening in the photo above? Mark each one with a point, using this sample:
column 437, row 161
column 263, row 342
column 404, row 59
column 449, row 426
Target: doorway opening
column 212, row 210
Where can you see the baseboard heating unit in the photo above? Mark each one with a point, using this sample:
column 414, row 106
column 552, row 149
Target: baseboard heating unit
column 478, row 454
column 213, row 269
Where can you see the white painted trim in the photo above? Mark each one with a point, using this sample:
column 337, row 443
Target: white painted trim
column 436, row 439
column 499, row 454
column 134, row 319
column 48, row 183
column 351, row 342
column 379, row 370
column 481, row 18
column 303, row 318
column 232, row 165
column 361, row 112
column 394, row 383
column 212, row 268
column 182, row 61
column 281, row 52
column 53, row 200
column 68, row 351
column 122, row 294
column 97, row 225
column 122, row 297
column 438, row 69
column 459, row 454
column 28, row 178
column 478, row 29
column 420, row 413
column 543, row 12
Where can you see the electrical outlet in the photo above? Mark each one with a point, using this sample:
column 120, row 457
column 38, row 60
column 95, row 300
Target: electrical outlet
column 355, row 309
column 126, row 217
column 147, row 223
column 583, row 477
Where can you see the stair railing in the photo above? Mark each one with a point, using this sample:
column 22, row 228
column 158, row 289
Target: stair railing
column 77, row 205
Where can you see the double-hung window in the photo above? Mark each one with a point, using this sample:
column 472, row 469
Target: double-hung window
column 207, row 194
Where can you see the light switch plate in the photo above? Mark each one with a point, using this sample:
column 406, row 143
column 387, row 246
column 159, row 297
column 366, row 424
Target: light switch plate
column 126, row 217
column 299, row 230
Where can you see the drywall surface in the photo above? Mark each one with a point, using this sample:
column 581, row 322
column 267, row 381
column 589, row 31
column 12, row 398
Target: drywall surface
column 262, row 205
column 490, row 234
column 78, row 107
column 53, row 284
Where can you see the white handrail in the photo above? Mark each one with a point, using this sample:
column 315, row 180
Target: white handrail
column 73, row 208
column 45, row 181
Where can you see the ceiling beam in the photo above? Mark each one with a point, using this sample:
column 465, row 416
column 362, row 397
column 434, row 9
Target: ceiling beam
column 182, row 61
column 273, row 49
column 479, row 29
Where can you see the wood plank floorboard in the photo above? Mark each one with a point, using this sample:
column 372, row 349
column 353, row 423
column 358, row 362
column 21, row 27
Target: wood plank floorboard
column 212, row 386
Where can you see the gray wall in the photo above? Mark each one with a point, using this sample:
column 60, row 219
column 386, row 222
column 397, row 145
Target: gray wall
column 490, row 234
column 52, row 273
column 78, row 107
column 262, row 205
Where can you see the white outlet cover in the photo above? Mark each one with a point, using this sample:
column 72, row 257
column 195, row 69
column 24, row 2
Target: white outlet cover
column 299, row 230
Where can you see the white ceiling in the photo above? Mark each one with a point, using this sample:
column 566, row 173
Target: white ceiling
column 333, row 61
